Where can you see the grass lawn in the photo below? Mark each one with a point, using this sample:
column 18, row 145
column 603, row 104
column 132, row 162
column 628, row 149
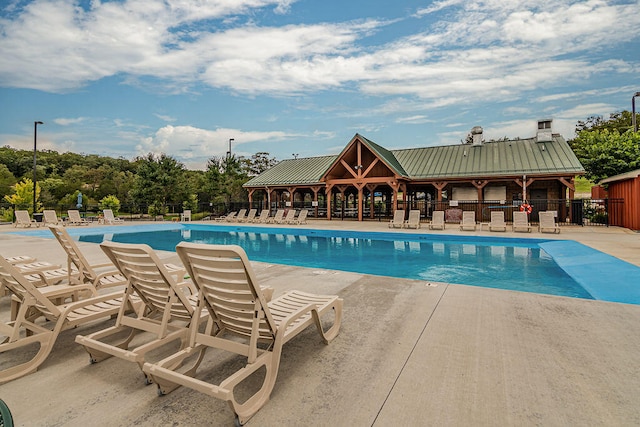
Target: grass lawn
column 583, row 185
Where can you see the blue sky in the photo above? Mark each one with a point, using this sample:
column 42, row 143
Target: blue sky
column 182, row 77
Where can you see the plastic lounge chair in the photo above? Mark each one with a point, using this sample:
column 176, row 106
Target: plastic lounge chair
column 497, row 221
column 185, row 215
column 288, row 219
column 437, row 221
column 414, row 219
column 521, row 222
column 398, row 219
column 547, row 222
column 51, row 217
column 278, row 218
column 263, row 218
column 110, row 219
column 20, row 259
column 27, row 329
column 241, row 215
column 86, row 273
column 250, row 216
column 226, row 218
column 468, row 221
column 301, row 218
column 75, row 219
column 167, row 307
column 239, row 318
column 24, row 220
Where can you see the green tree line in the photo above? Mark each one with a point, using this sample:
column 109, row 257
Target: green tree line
column 154, row 181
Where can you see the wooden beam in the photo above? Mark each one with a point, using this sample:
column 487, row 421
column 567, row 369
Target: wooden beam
column 349, row 168
column 570, row 185
column 366, row 172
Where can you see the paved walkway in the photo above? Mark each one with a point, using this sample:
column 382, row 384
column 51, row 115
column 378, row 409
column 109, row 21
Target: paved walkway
column 409, row 353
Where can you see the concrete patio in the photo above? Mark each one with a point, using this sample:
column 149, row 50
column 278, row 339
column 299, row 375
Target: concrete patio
column 409, row 353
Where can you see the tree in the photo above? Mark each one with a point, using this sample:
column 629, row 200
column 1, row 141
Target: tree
column 605, row 153
column 620, row 121
column 110, row 202
column 7, row 180
column 159, row 181
column 257, row 164
column 22, row 198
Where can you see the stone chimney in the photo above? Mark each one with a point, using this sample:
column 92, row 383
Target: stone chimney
column 476, row 134
column 544, row 131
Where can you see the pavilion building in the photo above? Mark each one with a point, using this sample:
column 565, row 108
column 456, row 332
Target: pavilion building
column 367, row 181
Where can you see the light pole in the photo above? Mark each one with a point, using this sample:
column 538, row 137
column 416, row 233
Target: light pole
column 633, row 111
column 229, row 152
column 35, row 147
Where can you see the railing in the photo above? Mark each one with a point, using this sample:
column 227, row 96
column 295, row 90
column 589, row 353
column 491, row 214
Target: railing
column 581, row 212
column 597, row 212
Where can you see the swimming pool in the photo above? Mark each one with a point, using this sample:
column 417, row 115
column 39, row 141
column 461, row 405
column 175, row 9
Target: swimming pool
column 529, row 265
column 517, row 264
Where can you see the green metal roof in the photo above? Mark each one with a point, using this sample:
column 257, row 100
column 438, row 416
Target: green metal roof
column 386, row 155
column 306, row 171
column 490, row 159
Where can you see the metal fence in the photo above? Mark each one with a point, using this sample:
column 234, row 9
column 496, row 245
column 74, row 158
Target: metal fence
column 597, row 212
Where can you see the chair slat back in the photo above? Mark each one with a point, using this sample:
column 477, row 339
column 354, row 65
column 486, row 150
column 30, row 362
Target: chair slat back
column 228, row 288
column 24, row 290
column 74, row 255
column 149, row 278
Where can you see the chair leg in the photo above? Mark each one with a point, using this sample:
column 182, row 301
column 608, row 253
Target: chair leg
column 332, row 332
column 244, row 411
column 44, row 337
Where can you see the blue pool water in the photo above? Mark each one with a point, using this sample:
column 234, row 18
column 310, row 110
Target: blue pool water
column 555, row 267
column 516, row 264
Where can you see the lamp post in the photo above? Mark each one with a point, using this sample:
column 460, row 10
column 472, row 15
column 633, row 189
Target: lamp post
column 35, row 146
column 633, row 111
column 229, row 152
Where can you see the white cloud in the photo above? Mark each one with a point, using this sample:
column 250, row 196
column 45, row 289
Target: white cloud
column 476, row 52
column 194, row 146
column 69, row 121
column 165, row 118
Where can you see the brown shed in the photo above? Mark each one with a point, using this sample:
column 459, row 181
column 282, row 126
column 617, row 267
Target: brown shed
column 626, row 186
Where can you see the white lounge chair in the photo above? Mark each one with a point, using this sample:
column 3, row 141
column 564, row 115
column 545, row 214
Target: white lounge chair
column 250, row 216
column 241, row 322
column 109, row 218
column 301, row 218
column 226, row 218
column 497, row 221
column 263, row 218
column 185, row 215
column 278, row 218
column 468, row 221
column 291, row 215
column 414, row 219
column 51, row 303
column 51, row 217
column 398, row 219
column 547, row 222
column 75, row 218
column 437, row 221
column 24, row 220
column 166, row 313
column 521, row 222
column 241, row 215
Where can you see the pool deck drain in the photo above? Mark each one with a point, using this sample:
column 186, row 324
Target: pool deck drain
column 406, row 354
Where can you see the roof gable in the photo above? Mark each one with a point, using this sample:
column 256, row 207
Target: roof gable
column 362, row 153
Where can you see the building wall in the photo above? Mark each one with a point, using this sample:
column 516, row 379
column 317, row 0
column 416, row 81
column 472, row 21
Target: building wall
column 629, row 190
